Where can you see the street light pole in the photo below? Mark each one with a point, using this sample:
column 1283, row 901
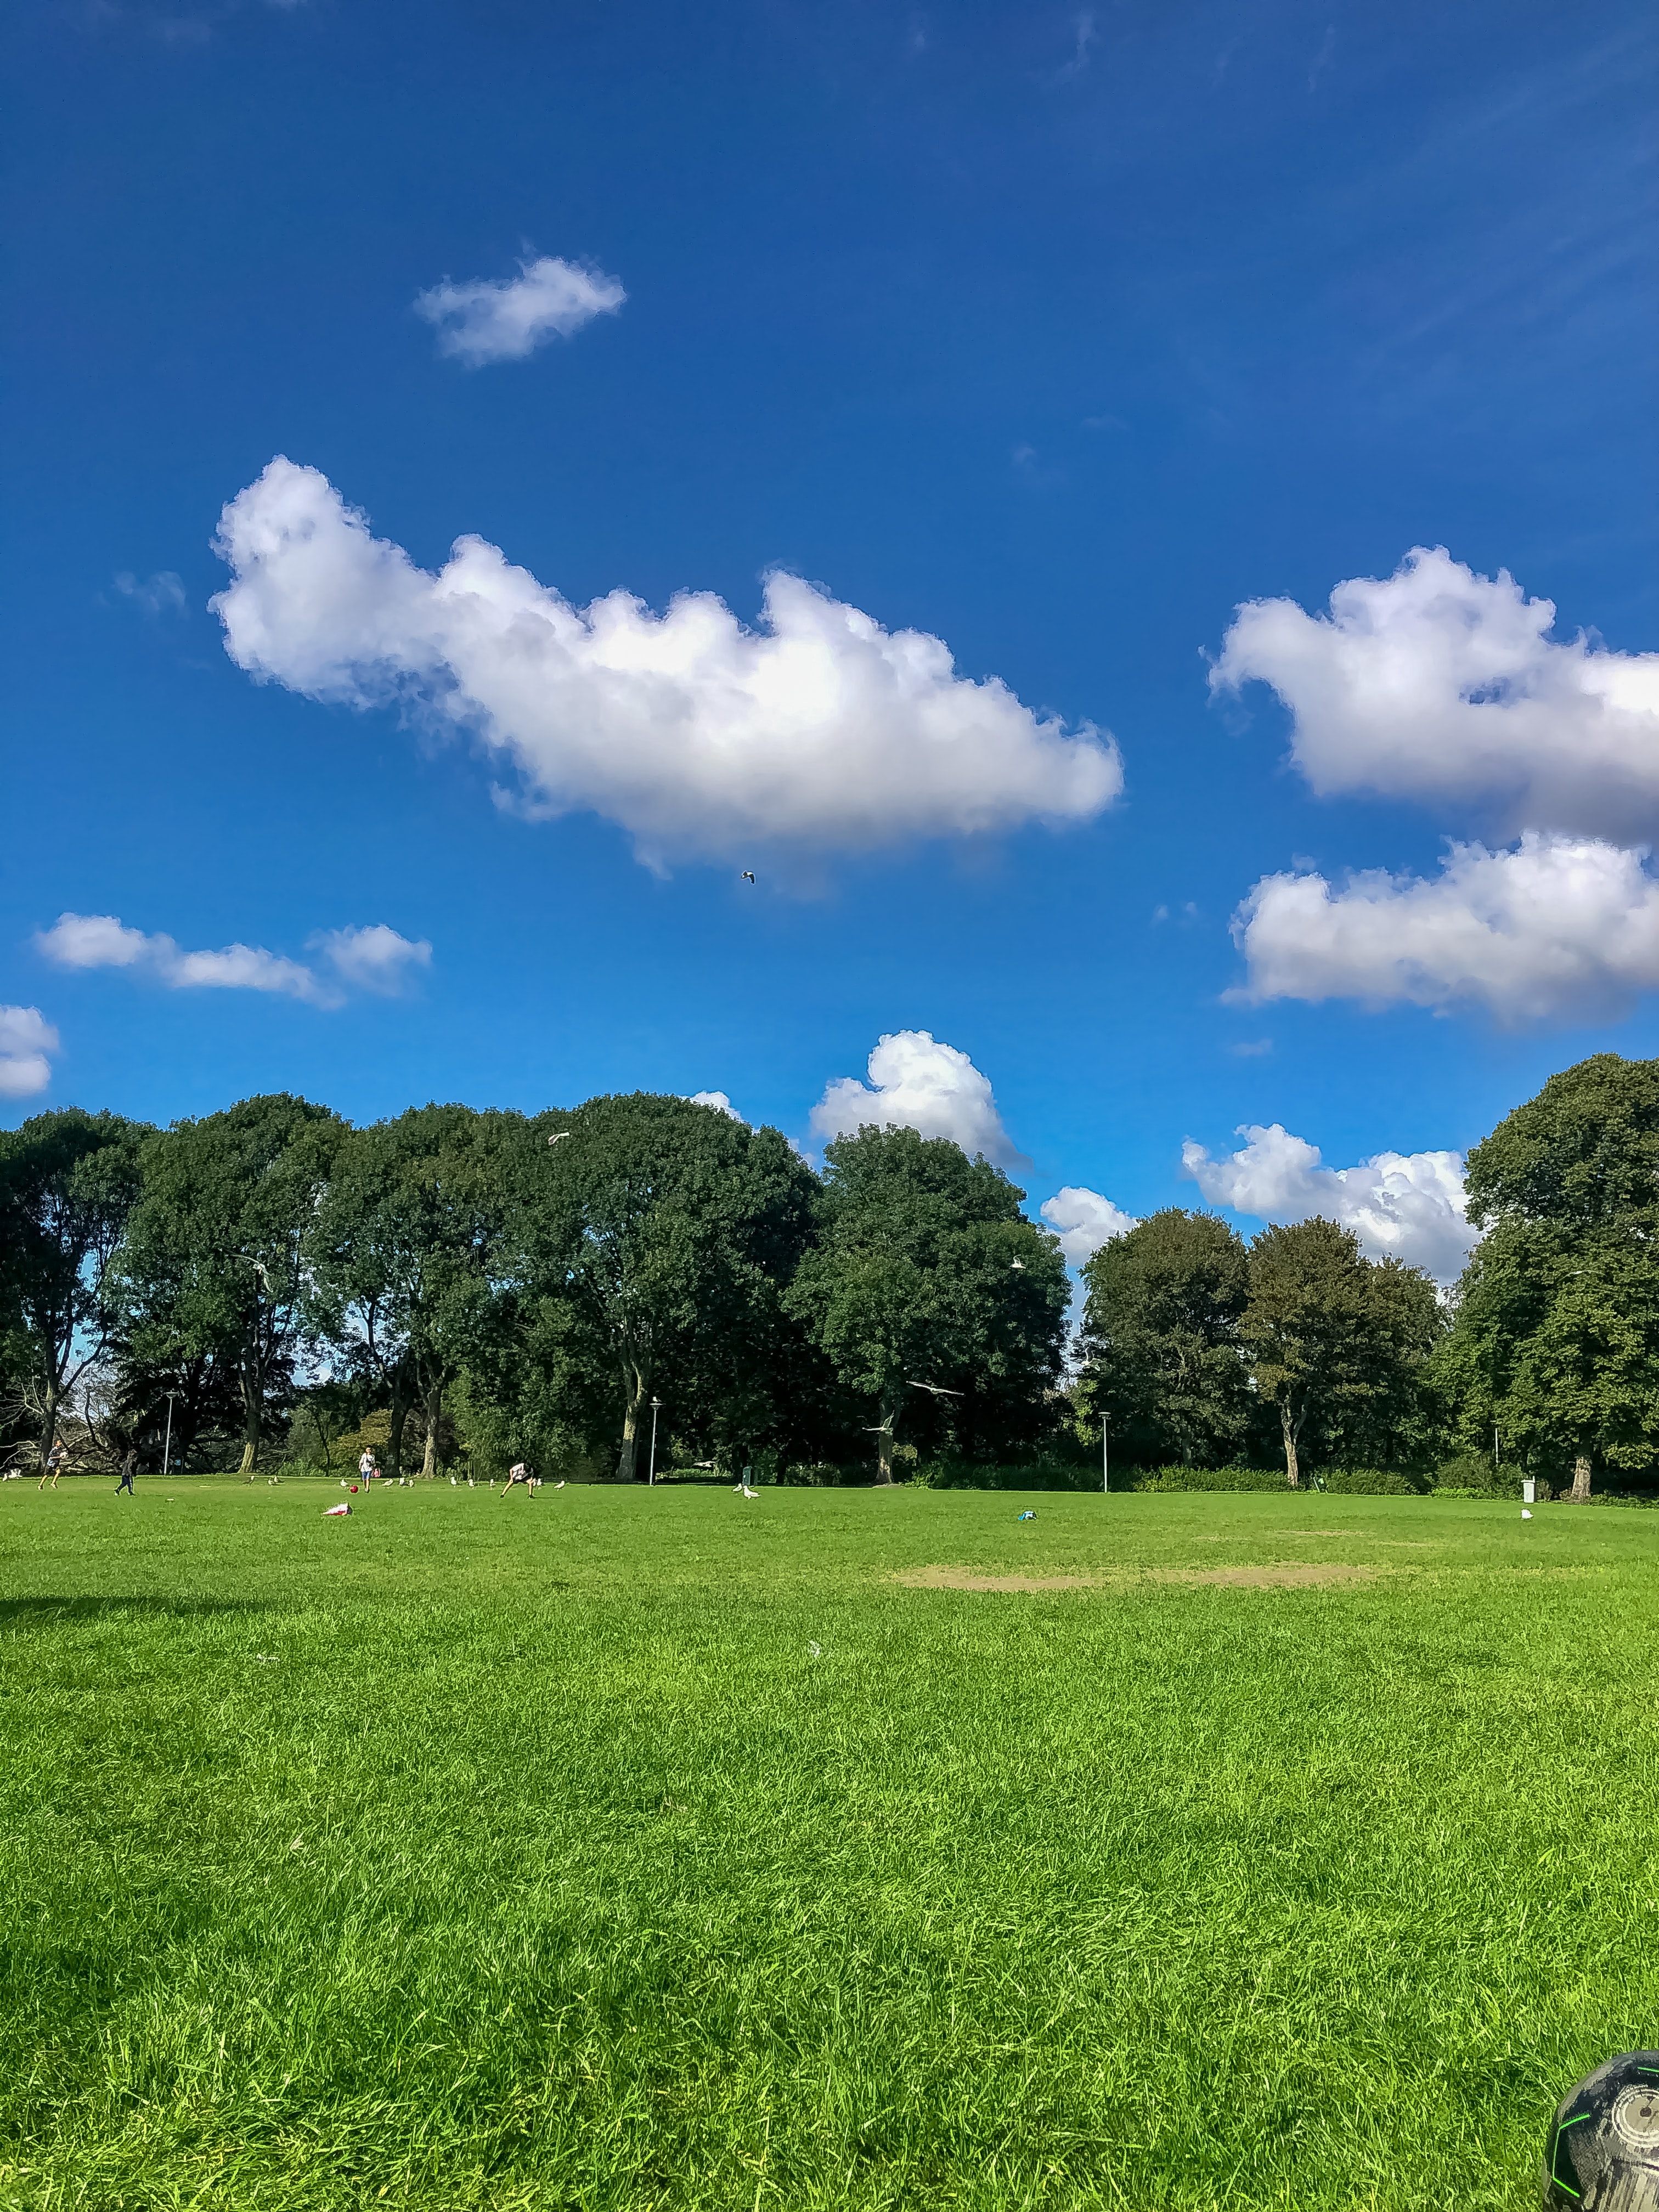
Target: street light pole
column 1105, row 1460
column 651, row 1477
column 167, row 1448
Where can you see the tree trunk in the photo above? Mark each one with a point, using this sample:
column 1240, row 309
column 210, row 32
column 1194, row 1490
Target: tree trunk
column 633, row 1422
column 250, row 1418
column 433, row 1408
column 394, row 1436
column 889, row 1411
column 1287, row 1428
column 49, row 1424
column 1581, row 1479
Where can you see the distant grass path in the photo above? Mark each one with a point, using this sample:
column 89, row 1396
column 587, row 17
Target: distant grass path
column 472, row 1853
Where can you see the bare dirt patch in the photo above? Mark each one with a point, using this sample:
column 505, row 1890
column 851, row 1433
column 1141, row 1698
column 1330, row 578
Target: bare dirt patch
column 967, row 1579
column 1287, row 1574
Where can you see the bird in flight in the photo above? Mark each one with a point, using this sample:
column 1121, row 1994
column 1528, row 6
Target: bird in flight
column 558, row 1133
column 938, row 1389
column 749, row 875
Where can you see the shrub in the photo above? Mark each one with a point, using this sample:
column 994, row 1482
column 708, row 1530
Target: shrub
column 1045, row 1471
column 1157, row 1480
column 1374, row 1482
column 818, row 1474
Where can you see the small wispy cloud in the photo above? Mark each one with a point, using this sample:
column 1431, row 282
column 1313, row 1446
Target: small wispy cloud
column 26, row 1038
column 375, row 958
column 508, row 318
column 1087, row 38
column 163, row 593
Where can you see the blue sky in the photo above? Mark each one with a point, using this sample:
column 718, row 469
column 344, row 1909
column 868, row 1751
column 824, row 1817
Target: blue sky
column 1054, row 335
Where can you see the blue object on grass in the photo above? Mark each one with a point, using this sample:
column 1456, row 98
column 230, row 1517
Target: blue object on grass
column 1029, row 1515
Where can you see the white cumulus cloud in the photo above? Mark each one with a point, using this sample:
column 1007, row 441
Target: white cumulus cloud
column 917, row 1083
column 375, row 958
column 1556, row 926
column 1083, row 1221
column 718, row 1100
column 1406, row 1205
column 1436, row 683
column 26, row 1038
column 697, row 735
column 506, row 318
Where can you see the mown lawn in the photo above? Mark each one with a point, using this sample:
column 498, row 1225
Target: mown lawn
column 629, row 1849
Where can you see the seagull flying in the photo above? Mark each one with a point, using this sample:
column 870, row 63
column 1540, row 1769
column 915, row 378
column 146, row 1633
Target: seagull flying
column 558, row 1135
column 938, row 1389
column 748, row 875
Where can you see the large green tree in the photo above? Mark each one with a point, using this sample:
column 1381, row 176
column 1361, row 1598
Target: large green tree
column 1337, row 1343
column 214, row 1258
column 656, row 1237
column 1164, row 1365
column 407, row 1253
column 1556, row 1338
column 68, row 1184
column 926, row 1279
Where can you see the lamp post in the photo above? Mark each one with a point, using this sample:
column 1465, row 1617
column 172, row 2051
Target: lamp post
column 656, row 1404
column 1105, row 1460
column 167, row 1448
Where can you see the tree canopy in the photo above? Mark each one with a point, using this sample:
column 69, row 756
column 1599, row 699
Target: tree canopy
column 545, row 1287
column 656, row 1237
column 1163, row 1363
column 68, row 1182
column 930, row 1294
column 408, row 1250
column 214, row 1263
column 1338, row 1343
column 1556, row 1337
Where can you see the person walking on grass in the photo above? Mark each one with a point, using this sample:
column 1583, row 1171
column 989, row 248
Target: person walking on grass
column 366, row 1467
column 128, row 1468
column 56, row 1461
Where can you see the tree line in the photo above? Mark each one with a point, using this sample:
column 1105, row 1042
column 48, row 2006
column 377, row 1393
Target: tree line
column 647, row 1278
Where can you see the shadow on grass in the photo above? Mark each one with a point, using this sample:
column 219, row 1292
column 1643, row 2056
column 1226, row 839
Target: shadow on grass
column 22, row 1613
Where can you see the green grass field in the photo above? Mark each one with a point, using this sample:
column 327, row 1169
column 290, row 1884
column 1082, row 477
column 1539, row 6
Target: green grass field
column 629, row 1849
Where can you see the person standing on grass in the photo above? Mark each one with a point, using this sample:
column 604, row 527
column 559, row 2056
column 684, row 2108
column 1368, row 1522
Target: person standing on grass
column 519, row 1473
column 128, row 1468
column 56, row 1461
column 366, row 1467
